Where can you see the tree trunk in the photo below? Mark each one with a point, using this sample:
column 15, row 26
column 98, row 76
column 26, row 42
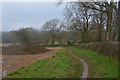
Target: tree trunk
column 83, row 37
column 99, row 36
column 119, row 22
column 100, row 26
column 109, row 20
column 75, row 39
column 86, row 37
column 53, row 39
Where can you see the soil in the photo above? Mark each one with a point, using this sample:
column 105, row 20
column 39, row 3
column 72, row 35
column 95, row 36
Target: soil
column 7, row 44
column 56, row 48
column 23, row 49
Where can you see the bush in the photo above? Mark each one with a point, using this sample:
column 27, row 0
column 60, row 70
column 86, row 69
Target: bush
column 109, row 49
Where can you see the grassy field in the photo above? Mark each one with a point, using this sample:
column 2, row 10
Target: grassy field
column 61, row 65
column 99, row 66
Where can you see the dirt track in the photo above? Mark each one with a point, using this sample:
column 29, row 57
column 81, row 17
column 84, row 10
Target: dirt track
column 85, row 71
column 7, row 44
column 14, row 62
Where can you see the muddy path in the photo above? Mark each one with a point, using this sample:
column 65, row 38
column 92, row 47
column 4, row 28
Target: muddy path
column 85, row 70
column 11, row 63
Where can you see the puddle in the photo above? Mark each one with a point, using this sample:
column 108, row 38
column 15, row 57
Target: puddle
column 49, row 52
column 1, row 61
column 4, row 73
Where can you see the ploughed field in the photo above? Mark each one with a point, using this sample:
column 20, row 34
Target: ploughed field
column 17, row 55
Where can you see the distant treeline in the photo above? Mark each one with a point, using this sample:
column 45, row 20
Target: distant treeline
column 7, row 37
column 30, row 35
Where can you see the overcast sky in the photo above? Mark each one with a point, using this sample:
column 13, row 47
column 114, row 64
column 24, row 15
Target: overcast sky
column 17, row 15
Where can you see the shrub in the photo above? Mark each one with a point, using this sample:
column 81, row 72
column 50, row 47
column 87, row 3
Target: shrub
column 109, row 49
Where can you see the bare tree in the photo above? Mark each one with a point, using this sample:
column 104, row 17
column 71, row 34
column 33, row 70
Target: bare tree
column 26, row 35
column 52, row 27
column 99, row 21
column 119, row 22
column 108, row 8
column 79, row 18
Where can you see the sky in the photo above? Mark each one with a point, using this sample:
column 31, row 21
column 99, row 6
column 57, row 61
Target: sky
column 16, row 15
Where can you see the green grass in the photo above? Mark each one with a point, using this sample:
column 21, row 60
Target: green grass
column 99, row 66
column 61, row 65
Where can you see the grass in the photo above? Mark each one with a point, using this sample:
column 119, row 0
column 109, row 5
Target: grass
column 61, row 65
column 99, row 66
